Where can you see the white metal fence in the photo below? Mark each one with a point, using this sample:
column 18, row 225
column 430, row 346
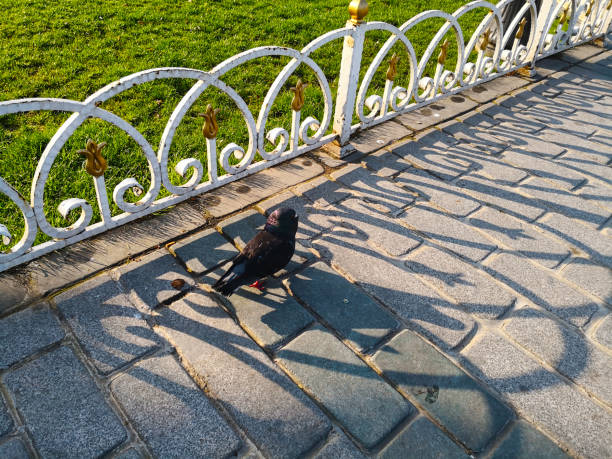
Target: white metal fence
column 557, row 25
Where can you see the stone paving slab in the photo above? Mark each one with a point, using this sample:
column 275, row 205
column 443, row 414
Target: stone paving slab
column 550, row 65
column 203, row 251
column 26, row 332
column 566, row 75
column 525, row 441
column 76, row 422
column 604, row 138
column 591, row 276
column 480, row 119
column 323, row 192
column 476, row 292
column 564, row 94
column 385, row 163
column 355, row 395
column 599, row 123
column 588, row 164
column 566, row 179
column 593, row 73
column 13, row 449
column 379, row 136
column 444, row 164
column 537, row 95
column 585, row 91
column 448, row 232
column 566, row 125
column 381, row 231
column 447, row 196
column 542, row 288
column 148, row 280
column 237, row 195
column 423, row 440
column 484, row 140
column 604, row 332
column 242, row 227
column 511, row 119
column 14, row 291
column 372, row 188
column 6, row 422
column 171, row 413
column 442, row 110
column 449, row 395
column 131, row 453
column 492, row 167
column 531, row 142
column 542, row 397
column 579, row 237
column 432, row 137
column 564, row 202
column 110, row 329
column 600, row 107
column 564, row 349
column 505, row 198
column 519, row 235
column 540, row 109
column 270, row 317
column 604, row 59
column 598, row 193
column 593, row 151
column 338, row 446
column 492, row 89
column 342, row 305
column 398, row 288
column 278, row 417
column 580, row 53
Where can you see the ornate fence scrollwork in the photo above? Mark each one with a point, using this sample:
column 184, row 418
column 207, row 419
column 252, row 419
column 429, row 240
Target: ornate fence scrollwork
column 491, row 51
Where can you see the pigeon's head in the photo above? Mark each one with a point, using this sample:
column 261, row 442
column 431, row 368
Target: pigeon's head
column 283, row 221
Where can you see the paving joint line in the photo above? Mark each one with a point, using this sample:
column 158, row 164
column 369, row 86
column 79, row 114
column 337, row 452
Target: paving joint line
column 200, row 382
column 551, row 369
column 366, row 358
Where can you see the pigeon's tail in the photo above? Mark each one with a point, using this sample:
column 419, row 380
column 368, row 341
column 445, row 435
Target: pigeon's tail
column 227, row 286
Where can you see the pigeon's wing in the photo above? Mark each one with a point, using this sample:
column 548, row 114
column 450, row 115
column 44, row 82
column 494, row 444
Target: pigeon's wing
column 238, row 263
column 267, row 253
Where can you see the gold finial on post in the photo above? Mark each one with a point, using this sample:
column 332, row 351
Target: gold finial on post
column 484, row 42
column 95, row 164
column 521, row 29
column 590, row 7
column 210, row 127
column 443, row 52
column 358, row 10
column 392, row 71
column 298, row 95
column 564, row 14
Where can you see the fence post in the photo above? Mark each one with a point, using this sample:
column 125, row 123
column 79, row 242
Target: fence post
column 349, row 76
column 546, row 9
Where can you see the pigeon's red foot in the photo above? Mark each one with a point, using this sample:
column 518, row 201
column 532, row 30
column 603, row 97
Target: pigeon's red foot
column 258, row 285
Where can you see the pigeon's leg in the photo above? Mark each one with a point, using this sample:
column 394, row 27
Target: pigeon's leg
column 258, row 285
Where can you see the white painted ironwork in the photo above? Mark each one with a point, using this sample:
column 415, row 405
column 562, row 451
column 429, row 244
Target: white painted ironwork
column 557, row 26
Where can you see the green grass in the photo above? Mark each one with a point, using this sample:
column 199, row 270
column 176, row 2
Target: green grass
column 70, row 49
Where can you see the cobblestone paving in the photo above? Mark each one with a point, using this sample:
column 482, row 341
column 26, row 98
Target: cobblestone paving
column 451, row 296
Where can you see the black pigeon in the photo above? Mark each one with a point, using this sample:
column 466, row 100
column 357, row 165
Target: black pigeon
column 269, row 251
